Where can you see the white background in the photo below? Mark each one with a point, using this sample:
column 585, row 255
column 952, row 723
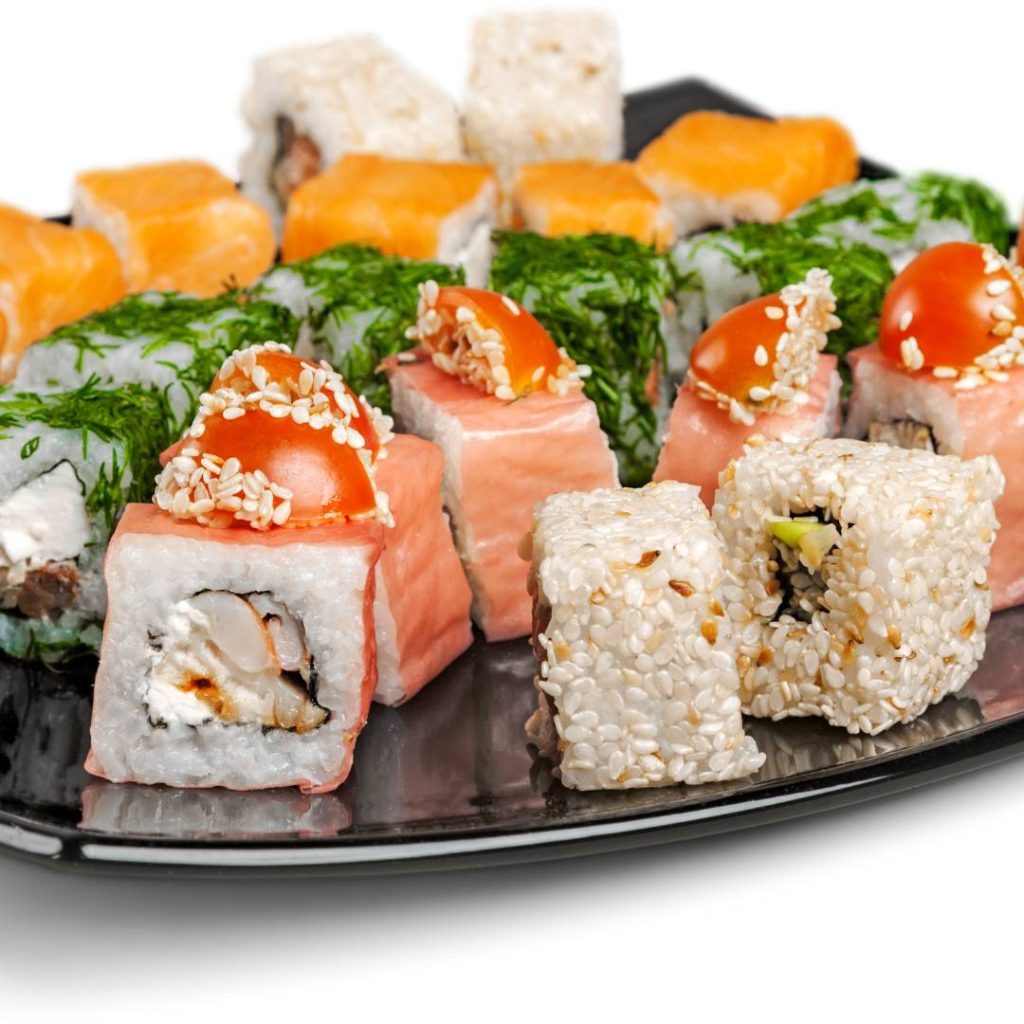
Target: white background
column 907, row 908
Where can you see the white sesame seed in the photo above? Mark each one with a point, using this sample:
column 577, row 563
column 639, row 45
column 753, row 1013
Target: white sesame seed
column 761, row 355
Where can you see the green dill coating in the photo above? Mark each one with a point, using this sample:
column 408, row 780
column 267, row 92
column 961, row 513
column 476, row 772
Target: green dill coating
column 112, row 438
column 946, row 198
column 172, row 341
column 356, row 304
column 777, row 256
column 601, row 298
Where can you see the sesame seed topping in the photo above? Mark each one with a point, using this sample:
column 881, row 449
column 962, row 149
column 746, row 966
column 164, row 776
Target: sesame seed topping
column 761, row 355
column 906, row 320
column 774, row 312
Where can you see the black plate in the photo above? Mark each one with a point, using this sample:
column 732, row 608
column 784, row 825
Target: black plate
column 448, row 780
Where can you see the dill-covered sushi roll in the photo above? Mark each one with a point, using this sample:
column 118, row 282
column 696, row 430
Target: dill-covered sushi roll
column 857, row 577
column 543, row 86
column 177, row 226
column 309, row 106
column 420, row 209
column 354, row 304
column 505, row 405
column 161, row 339
column 637, row 673
column 714, row 168
column 947, row 375
column 757, row 370
column 49, row 275
column 239, row 648
column 902, row 217
column 69, row 462
column 604, row 299
column 861, row 234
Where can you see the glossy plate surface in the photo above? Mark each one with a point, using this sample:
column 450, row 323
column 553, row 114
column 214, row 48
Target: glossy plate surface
column 448, row 780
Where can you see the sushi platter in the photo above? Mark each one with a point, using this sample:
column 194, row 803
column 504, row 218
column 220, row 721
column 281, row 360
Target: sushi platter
column 529, row 502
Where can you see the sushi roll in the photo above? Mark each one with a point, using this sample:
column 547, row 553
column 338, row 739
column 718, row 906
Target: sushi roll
column 582, row 197
column 605, row 300
column 49, row 275
column 756, row 370
column 157, row 339
column 239, row 645
column 176, row 226
column 69, row 463
column 947, row 375
column 637, row 672
column 857, row 577
column 423, row 599
column 543, row 86
column 419, row 209
column 862, row 234
column 354, row 304
column 505, row 405
column 714, row 168
column 308, row 107
column 901, row 217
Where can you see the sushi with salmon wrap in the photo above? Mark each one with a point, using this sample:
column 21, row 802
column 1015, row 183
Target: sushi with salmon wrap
column 163, row 340
column 50, row 274
column 354, row 304
column 856, row 577
column 947, row 375
column 504, row 404
column 758, row 370
column 70, row 461
column 239, row 648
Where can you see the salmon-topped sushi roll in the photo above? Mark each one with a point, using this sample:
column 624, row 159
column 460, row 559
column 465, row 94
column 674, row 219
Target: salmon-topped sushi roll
column 49, row 275
column 309, row 106
column 505, row 405
column 582, row 197
column 947, row 375
column 239, row 647
column 417, row 209
column 757, row 370
column 177, row 226
column 715, row 169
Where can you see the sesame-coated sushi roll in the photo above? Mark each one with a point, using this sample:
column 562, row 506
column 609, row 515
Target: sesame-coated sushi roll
column 158, row 339
column 505, row 406
column 580, row 197
column 239, row 647
column 858, row 577
column 757, row 370
column 49, row 275
column 423, row 599
column 177, row 226
column 543, row 86
column 418, row 209
column 947, row 375
column 354, row 304
column 309, row 106
column 637, row 677
column 718, row 168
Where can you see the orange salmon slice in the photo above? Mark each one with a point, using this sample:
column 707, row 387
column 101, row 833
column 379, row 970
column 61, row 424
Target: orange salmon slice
column 411, row 208
column 177, row 226
column 716, row 168
column 49, row 275
column 583, row 197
